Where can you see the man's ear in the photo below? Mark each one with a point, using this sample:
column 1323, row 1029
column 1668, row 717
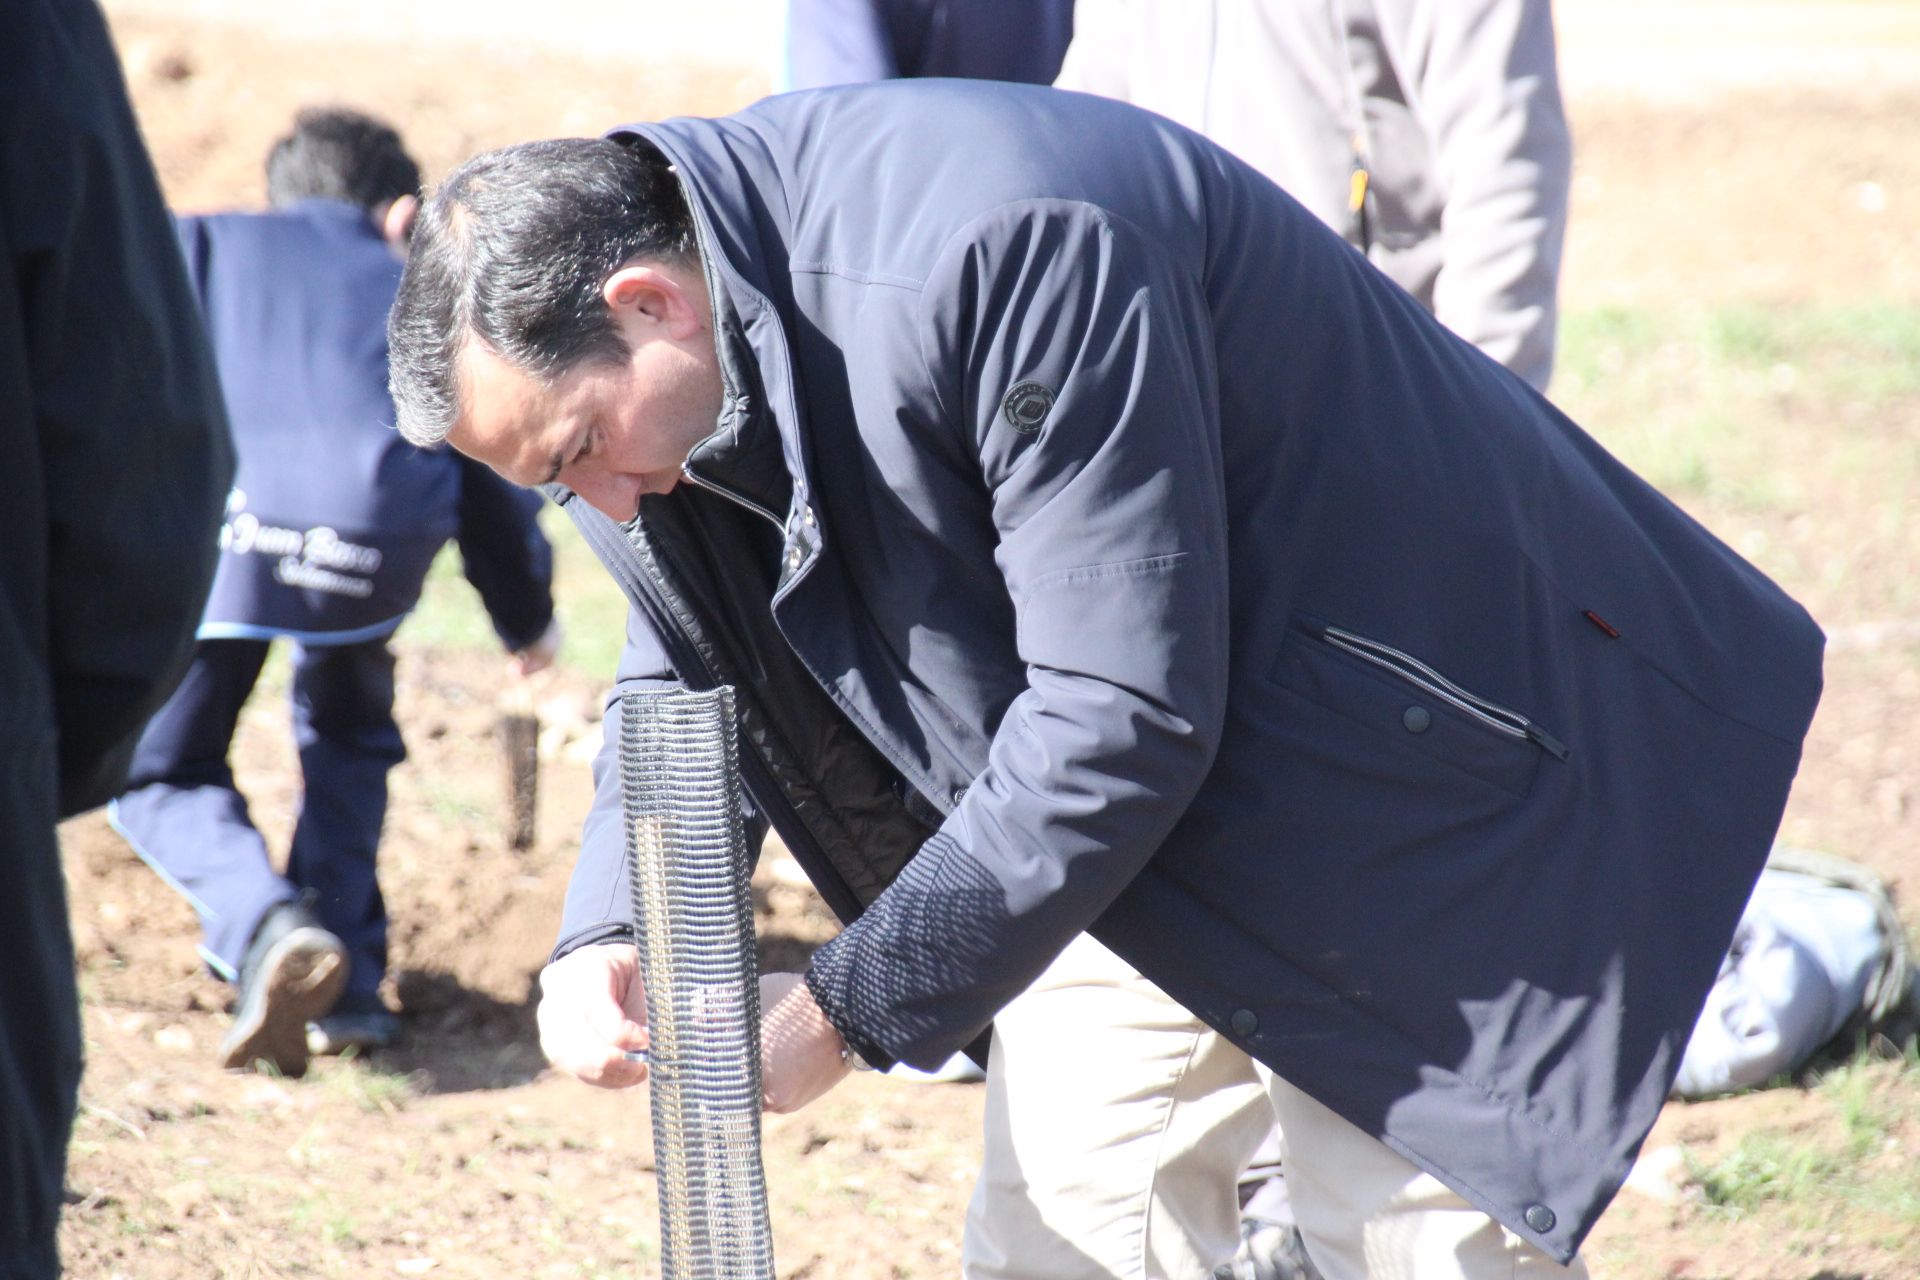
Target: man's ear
column 396, row 222
column 650, row 294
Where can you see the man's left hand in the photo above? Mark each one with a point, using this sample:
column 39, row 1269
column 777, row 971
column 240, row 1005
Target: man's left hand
column 800, row 1056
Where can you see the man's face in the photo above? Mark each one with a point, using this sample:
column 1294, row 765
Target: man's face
column 610, row 430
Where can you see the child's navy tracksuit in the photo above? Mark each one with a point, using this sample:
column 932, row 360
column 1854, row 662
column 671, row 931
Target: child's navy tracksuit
column 330, row 529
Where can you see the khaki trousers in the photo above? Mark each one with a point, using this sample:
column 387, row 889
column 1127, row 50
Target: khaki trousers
column 1117, row 1124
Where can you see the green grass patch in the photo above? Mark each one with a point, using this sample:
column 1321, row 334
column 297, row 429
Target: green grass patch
column 591, row 609
column 1869, row 351
column 462, row 802
column 1854, row 1161
column 372, row 1090
column 1697, row 400
column 1765, row 1166
column 328, row 1221
column 1792, row 431
column 1866, row 351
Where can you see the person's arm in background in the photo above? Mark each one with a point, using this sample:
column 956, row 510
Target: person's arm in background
column 1486, row 88
column 828, row 42
column 1100, row 57
column 130, row 433
column 509, row 562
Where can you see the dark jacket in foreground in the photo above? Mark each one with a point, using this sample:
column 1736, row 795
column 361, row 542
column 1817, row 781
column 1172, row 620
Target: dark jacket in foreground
column 334, row 519
column 116, row 461
column 1197, row 589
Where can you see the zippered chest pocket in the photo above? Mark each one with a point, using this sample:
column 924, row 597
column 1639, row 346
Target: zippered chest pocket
column 1415, row 706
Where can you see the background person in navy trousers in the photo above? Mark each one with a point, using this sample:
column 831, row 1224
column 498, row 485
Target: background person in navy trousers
column 331, row 526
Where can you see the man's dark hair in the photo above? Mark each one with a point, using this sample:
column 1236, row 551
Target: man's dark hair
column 512, row 251
column 339, row 154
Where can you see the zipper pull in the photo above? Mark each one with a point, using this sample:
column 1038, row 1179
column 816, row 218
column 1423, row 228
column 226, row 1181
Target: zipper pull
column 1547, row 742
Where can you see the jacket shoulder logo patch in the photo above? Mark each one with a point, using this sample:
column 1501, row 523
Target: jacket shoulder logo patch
column 1027, row 406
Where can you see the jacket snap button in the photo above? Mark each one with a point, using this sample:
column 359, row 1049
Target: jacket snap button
column 806, row 516
column 959, row 794
column 1243, row 1022
column 1417, row 719
column 1540, row 1218
column 793, row 557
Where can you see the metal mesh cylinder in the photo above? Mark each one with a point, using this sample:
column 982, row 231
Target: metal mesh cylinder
column 687, row 850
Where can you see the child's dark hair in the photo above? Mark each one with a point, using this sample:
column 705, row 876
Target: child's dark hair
column 340, row 154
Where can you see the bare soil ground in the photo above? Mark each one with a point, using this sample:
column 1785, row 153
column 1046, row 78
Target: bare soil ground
column 457, row 1154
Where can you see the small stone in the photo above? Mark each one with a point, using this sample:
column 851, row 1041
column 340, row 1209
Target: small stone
column 173, row 66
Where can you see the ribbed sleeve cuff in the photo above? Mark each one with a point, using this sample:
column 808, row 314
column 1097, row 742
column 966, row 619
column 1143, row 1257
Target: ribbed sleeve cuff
column 593, row 936
column 830, row 973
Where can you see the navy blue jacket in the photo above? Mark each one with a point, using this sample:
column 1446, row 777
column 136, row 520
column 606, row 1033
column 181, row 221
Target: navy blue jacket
column 833, row 42
column 116, row 458
column 1097, row 542
column 334, row 519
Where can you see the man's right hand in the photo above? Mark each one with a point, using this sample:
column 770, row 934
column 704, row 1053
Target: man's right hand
column 593, row 1009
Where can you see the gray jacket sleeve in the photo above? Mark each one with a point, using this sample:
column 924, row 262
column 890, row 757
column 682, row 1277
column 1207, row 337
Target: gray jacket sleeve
column 1100, row 57
column 1458, row 104
column 1483, row 81
column 1109, row 509
column 599, row 904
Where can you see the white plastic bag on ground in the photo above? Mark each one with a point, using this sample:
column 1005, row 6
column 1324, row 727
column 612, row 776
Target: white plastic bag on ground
column 1819, row 952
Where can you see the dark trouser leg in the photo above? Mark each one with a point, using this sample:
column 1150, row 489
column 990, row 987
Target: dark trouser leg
column 182, row 813
column 343, row 725
column 39, row 1013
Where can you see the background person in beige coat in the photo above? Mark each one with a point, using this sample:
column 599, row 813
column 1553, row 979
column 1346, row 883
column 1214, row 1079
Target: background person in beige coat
column 1428, row 132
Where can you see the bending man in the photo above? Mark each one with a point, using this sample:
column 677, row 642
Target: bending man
column 1142, row 612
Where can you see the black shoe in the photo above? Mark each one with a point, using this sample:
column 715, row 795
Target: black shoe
column 292, row 974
